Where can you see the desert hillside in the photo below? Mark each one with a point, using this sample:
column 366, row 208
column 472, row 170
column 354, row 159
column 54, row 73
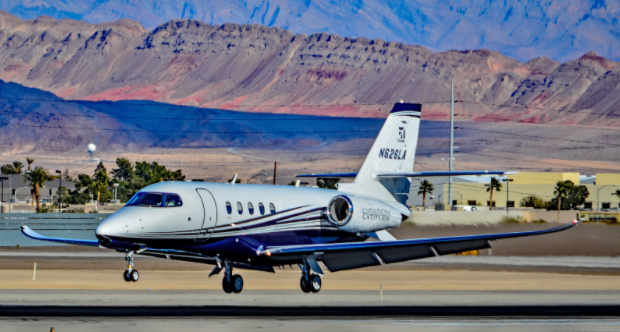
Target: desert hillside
column 256, row 68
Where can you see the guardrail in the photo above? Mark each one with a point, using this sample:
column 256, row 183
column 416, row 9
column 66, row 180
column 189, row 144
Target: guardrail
column 70, row 225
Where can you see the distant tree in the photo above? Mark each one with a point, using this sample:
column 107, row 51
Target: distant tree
column 125, row 171
column 37, row 178
column 617, row 193
column 425, row 188
column 30, row 161
column 567, row 196
column 534, row 202
column 18, row 166
column 7, row 169
column 493, row 185
column 66, row 175
column 100, row 181
column 328, row 183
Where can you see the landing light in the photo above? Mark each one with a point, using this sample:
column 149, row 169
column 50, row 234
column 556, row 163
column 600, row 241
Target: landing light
column 268, row 253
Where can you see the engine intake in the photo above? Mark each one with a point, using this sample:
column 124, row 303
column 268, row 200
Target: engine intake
column 361, row 214
column 340, row 210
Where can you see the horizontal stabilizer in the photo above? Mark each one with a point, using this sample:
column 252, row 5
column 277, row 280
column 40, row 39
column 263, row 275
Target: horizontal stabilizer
column 34, row 235
column 332, row 175
column 431, row 174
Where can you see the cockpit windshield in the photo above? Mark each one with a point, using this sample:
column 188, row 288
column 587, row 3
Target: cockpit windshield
column 155, row 200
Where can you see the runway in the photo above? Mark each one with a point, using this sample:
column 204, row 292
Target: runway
column 298, row 324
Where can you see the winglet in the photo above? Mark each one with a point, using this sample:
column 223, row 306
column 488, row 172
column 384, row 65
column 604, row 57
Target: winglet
column 36, row 236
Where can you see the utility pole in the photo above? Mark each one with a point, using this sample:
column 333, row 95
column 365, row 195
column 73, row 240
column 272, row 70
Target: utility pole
column 275, row 170
column 451, row 144
column 59, row 172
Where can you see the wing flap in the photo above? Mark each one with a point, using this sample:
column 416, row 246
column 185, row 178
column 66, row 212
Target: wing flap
column 456, row 247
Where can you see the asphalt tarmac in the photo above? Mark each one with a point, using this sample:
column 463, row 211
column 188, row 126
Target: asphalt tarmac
column 303, row 324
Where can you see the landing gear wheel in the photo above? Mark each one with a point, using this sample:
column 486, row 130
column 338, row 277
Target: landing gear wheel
column 305, row 285
column 227, row 286
column 236, row 283
column 126, row 276
column 315, row 283
column 134, row 275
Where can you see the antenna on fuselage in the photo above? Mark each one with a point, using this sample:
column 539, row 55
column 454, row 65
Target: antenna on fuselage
column 234, row 180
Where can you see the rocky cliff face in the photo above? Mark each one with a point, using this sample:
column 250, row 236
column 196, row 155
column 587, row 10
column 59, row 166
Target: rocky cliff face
column 521, row 29
column 261, row 69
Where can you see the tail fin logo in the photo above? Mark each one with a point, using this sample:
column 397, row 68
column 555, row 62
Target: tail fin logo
column 401, row 135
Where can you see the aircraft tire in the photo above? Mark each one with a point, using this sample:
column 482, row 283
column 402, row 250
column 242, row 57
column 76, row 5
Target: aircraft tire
column 227, row 286
column 236, row 283
column 304, row 285
column 315, row 283
column 126, row 276
column 135, row 275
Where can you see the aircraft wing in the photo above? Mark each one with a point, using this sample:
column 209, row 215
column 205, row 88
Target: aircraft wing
column 34, row 235
column 345, row 256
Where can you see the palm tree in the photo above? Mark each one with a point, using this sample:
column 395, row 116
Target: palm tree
column 30, row 161
column 562, row 188
column 37, row 178
column 425, row 187
column 493, row 185
column 18, row 166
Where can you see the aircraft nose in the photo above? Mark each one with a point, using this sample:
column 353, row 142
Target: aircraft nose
column 108, row 227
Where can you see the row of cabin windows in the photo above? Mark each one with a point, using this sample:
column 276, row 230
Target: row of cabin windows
column 261, row 208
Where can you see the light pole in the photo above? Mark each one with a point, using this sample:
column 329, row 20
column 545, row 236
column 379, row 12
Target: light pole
column 263, row 174
column 115, row 189
column 597, row 190
column 507, row 193
column 2, row 200
column 59, row 172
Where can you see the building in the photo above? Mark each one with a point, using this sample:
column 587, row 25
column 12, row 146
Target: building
column 17, row 190
column 472, row 190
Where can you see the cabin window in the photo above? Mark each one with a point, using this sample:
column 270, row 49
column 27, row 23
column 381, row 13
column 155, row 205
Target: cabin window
column 272, row 208
column 239, row 208
column 261, row 208
column 228, row 208
column 173, row 200
column 146, row 199
column 155, row 200
column 250, row 208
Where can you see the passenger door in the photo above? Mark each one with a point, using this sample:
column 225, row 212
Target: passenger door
column 210, row 216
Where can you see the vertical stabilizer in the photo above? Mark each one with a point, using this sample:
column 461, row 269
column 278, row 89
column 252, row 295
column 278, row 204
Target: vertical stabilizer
column 393, row 152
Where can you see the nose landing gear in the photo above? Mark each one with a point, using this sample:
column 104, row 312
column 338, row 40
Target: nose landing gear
column 130, row 274
column 231, row 283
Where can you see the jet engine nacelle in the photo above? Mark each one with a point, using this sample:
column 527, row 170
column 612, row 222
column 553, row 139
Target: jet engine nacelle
column 362, row 215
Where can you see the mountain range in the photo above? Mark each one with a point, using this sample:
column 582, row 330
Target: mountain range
column 522, row 29
column 256, row 68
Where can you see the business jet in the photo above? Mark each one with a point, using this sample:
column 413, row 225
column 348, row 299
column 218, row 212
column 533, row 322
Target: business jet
column 259, row 227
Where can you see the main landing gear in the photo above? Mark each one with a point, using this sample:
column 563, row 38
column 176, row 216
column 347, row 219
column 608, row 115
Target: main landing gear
column 130, row 274
column 231, row 283
column 309, row 282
